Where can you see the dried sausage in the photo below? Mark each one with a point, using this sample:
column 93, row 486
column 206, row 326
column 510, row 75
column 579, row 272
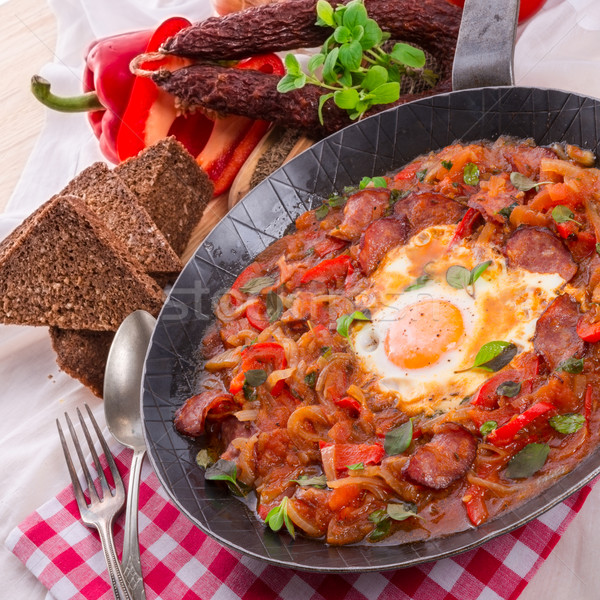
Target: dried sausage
column 556, row 331
column 381, row 236
column 446, row 458
column 537, row 250
column 191, row 417
column 428, row 209
column 360, row 211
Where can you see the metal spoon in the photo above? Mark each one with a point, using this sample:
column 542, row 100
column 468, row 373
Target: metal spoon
column 122, row 383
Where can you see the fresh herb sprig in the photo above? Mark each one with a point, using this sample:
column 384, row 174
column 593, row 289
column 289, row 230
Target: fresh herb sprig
column 355, row 70
column 278, row 516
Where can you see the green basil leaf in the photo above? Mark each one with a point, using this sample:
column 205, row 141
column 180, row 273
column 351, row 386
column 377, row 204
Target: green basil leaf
column 329, row 74
column 319, row 481
column 488, row 427
column 292, row 66
column 345, row 321
column 471, row 174
column 256, row 285
column 495, row 355
column 350, row 55
column 346, row 99
column 372, row 35
column 376, row 76
column 377, row 516
column 507, row 210
column 447, row 164
column 222, row 470
column 288, row 522
column 255, row 377
column 321, row 212
column 571, row 365
column 310, row 379
column 204, row 459
column 522, row 183
column 287, row 84
column 478, row 270
column 379, row 182
column 458, row 277
column 398, row 440
column 355, row 14
column 408, row 55
column 419, row 283
column 325, row 13
column 401, row 511
column 274, row 518
column 337, row 201
column 528, row 461
column 356, row 466
column 386, row 93
column 562, row 214
column 315, row 61
column 509, row 388
column 342, row 35
column 569, row 423
column 322, row 101
column 274, row 306
column 382, row 530
column 420, row 175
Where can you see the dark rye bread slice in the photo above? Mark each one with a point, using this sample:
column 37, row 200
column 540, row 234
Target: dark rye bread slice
column 172, row 188
column 63, row 267
column 105, row 193
column 82, row 354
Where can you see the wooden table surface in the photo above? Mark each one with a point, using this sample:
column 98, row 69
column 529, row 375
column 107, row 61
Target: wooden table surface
column 27, row 40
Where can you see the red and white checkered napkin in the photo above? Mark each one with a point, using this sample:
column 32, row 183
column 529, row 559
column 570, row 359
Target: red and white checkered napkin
column 181, row 562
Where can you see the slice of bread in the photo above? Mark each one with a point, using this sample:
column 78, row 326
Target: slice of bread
column 82, row 354
column 105, row 194
column 63, row 267
column 172, row 188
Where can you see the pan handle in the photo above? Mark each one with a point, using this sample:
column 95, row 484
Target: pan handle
column 486, row 44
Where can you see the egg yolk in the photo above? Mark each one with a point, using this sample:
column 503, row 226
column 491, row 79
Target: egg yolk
column 423, row 333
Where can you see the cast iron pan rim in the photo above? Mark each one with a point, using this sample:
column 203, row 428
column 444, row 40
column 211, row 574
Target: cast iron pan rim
column 521, row 514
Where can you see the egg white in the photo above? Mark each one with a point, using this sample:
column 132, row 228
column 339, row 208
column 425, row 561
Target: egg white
column 502, row 304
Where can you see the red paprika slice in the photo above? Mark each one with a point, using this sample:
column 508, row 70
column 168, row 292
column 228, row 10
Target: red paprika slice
column 506, row 434
column 475, row 504
column 260, row 356
column 329, row 271
column 151, row 111
column 588, row 326
column 257, row 315
column 352, row 405
column 466, row 227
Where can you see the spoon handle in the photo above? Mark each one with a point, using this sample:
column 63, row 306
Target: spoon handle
column 132, row 566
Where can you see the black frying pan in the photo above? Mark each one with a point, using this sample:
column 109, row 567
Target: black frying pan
column 380, row 144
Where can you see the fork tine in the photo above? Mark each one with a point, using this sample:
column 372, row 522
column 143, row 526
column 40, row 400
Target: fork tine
column 99, row 469
column 86, row 472
column 81, row 502
column 120, row 488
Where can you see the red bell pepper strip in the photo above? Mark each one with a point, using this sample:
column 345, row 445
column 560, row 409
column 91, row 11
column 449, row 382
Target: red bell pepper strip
column 567, row 229
column 233, row 138
column 259, row 356
column 588, row 326
column 329, row 271
column 352, row 405
column 408, row 172
column 351, row 454
column 587, row 404
column 466, row 227
column 475, row 504
column 257, row 315
column 150, row 112
column 505, row 435
column 107, row 83
column 329, row 245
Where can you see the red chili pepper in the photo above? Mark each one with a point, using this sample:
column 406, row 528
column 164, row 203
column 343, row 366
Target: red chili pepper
column 475, row 505
column 588, row 326
column 466, row 227
column 107, row 83
column 233, row 138
column 329, row 271
column 349, row 403
column 505, row 434
column 258, row 356
column 150, row 111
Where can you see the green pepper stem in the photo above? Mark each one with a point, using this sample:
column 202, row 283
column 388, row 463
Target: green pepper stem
column 87, row 102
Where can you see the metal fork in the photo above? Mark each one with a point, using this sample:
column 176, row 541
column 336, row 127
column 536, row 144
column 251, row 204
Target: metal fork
column 102, row 509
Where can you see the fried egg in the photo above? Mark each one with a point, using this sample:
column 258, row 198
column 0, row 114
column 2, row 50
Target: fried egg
column 425, row 333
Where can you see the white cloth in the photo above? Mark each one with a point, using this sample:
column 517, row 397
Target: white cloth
column 559, row 48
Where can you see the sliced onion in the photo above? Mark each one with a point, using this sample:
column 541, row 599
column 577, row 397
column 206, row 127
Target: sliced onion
column 328, row 460
column 303, row 416
column 356, row 393
column 278, row 375
column 226, row 360
column 497, row 488
column 299, row 521
column 226, row 311
column 375, row 485
column 249, row 414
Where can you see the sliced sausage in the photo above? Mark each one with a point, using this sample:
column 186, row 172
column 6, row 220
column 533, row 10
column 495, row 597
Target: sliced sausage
column 556, row 331
column 446, row 458
column 428, row 209
column 491, row 205
column 214, row 404
column 362, row 208
column 381, row 236
column 538, row 250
